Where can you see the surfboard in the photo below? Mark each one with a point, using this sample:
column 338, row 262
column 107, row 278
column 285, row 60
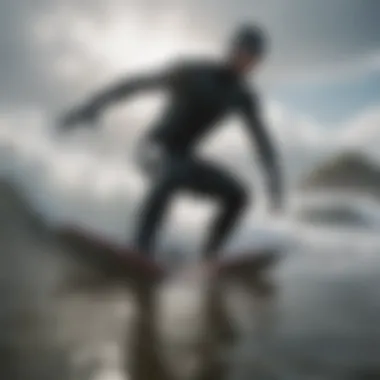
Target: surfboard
column 121, row 261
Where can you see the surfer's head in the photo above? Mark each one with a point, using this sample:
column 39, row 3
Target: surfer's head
column 248, row 48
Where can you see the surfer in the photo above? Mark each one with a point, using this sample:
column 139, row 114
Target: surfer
column 202, row 92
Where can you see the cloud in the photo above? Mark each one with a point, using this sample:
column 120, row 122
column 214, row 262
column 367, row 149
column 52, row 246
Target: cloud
column 336, row 72
column 54, row 52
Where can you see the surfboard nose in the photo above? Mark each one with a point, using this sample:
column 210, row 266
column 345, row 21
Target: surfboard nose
column 113, row 261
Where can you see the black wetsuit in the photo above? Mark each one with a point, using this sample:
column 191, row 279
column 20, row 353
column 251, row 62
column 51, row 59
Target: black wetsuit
column 201, row 94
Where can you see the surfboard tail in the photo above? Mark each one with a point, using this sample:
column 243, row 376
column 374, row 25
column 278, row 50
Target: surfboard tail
column 249, row 264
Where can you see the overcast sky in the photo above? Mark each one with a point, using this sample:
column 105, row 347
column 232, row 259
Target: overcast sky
column 321, row 84
column 47, row 46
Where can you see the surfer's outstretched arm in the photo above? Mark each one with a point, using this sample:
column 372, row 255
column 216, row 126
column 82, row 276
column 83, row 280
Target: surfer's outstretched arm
column 118, row 91
column 132, row 86
column 267, row 151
